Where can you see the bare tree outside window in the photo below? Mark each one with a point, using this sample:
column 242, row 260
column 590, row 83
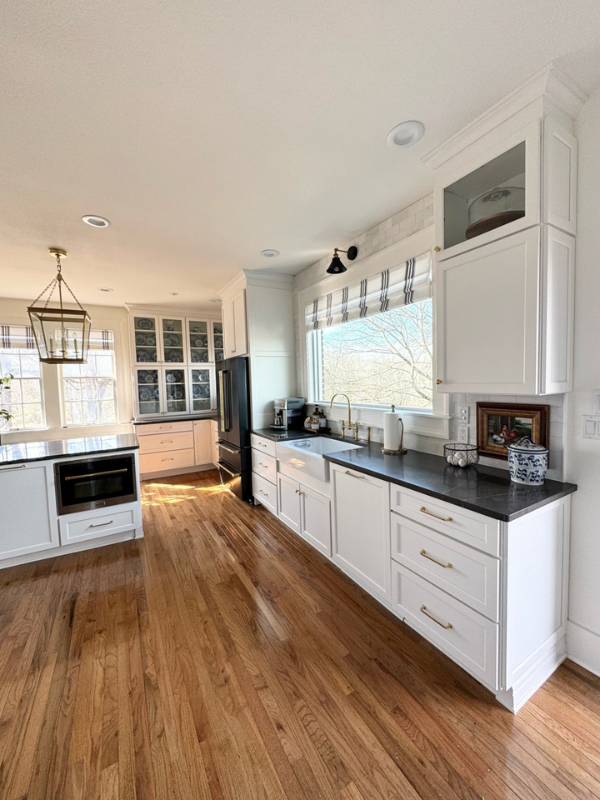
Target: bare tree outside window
column 379, row 360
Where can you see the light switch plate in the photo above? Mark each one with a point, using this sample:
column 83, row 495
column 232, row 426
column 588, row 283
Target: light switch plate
column 463, row 434
column 463, row 413
column 591, row 426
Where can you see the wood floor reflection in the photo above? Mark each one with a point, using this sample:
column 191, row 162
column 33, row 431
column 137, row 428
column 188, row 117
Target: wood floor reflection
column 221, row 657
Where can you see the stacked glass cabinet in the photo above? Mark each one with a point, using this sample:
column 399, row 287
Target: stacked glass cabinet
column 173, row 362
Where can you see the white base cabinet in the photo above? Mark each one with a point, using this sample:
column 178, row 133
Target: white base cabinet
column 170, row 447
column 361, row 529
column 288, row 492
column 28, row 509
column 315, row 519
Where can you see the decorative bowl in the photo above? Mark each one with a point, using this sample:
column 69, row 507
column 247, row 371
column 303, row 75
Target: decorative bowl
column 527, row 462
column 460, row 454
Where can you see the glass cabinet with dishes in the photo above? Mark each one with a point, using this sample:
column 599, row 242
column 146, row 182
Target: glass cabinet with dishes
column 217, row 330
column 201, row 389
column 198, row 341
column 175, row 390
column 147, row 391
column 145, row 339
column 173, row 340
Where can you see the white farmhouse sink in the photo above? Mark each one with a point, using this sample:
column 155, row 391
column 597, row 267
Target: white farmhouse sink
column 307, row 454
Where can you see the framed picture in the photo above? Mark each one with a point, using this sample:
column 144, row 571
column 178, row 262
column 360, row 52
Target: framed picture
column 501, row 424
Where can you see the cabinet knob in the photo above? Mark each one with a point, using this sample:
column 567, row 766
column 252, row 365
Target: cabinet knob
column 436, row 249
column 438, row 381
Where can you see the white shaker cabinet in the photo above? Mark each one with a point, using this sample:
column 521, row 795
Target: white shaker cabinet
column 505, row 315
column 288, row 493
column 361, row 529
column 315, row 519
column 203, row 447
column 29, row 520
column 234, row 325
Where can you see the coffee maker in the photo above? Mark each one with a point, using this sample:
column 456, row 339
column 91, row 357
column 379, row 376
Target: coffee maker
column 288, row 413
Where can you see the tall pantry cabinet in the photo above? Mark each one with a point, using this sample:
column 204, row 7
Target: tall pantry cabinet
column 505, row 221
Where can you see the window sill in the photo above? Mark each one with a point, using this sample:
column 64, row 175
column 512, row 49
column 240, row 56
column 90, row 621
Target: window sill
column 418, row 422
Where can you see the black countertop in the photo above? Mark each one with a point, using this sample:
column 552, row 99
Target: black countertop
column 66, row 448
column 285, row 436
column 486, row 490
column 183, row 418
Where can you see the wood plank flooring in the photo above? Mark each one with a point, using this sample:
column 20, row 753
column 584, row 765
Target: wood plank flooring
column 221, row 657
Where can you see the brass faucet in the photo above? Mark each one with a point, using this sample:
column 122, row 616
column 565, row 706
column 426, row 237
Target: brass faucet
column 349, row 423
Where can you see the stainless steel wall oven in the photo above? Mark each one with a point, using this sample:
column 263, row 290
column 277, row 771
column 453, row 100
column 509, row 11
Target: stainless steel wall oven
column 95, row 483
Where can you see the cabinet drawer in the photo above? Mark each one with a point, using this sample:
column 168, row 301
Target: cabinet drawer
column 465, row 573
column 264, row 465
column 263, row 445
column 163, row 427
column 466, row 526
column 264, row 492
column 157, row 462
column 160, row 442
column 95, row 524
column 466, row 636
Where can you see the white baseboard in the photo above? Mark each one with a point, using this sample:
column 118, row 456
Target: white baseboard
column 583, row 647
column 549, row 657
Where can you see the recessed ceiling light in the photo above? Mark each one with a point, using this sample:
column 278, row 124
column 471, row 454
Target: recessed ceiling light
column 95, row 221
column 104, row 289
column 215, row 300
column 269, row 253
column 406, row 133
column 174, row 293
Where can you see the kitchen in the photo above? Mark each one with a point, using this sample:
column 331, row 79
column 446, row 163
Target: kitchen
column 319, row 521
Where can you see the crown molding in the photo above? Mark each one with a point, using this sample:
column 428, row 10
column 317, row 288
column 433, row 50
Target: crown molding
column 549, row 84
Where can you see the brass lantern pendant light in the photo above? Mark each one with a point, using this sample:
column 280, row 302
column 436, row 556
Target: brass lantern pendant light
column 62, row 334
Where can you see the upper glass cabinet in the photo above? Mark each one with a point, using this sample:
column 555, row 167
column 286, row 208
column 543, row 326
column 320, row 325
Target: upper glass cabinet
column 145, row 333
column 487, row 198
column 173, row 340
column 218, row 340
column 198, row 341
column 147, row 390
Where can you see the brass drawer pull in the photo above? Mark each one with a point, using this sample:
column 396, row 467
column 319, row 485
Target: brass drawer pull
column 352, row 475
column 166, row 459
column 431, row 514
column 167, row 441
column 9, row 469
column 101, row 524
column 447, row 626
column 260, row 491
column 260, row 464
column 425, row 554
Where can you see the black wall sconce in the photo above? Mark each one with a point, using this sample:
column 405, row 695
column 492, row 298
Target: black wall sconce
column 336, row 265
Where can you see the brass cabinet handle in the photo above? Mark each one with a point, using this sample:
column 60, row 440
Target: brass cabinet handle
column 9, row 469
column 166, row 459
column 167, row 441
column 447, row 626
column 260, row 464
column 436, row 249
column 438, row 381
column 266, row 494
column 298, row 491
column 101, row 524
column 352, row 475
column 423, row 510
column 425, row 554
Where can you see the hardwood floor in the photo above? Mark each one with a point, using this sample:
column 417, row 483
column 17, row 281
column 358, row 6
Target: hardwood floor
column 221, row 657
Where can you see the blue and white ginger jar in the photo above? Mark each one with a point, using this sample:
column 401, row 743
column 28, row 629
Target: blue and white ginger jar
column 527, row 462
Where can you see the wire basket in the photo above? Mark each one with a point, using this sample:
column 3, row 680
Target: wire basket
column 459, row 454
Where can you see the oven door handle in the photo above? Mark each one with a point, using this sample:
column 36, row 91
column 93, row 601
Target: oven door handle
column 228, row 471
column 229, row 449
column 95, row 474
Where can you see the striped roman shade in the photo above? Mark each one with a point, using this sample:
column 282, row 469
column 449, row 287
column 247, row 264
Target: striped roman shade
column 21, row 337
column 398, row 286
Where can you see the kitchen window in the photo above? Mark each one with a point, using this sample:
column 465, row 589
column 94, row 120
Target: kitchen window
column 23, row 398
column 373, row 340
column 89, row 390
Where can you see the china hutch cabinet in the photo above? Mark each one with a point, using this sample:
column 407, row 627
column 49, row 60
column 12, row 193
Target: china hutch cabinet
column 173, row 363
column 505, row 247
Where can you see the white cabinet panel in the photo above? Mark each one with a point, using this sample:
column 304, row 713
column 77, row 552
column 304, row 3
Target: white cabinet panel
column 264, row 493
column 263, row 445
column 264, row 465
column 461, row 571
column 202, row 442
column 288, row 496
column 316, row 519
column 228, row 328
column 361, row 528
column 28, row 509
column 558, row 312
column 560, row 177
column 161, row 462
column 214, row 433
column 487, row 317
column 466, row 636
column 164, row 442
column 239, row 323
column 98, row 524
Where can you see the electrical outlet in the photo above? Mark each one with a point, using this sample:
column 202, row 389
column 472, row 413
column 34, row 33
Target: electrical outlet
column 463, row 414
column 463, row 434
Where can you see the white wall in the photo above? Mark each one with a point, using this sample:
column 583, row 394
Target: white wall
column 583, row 455
column 103, row 317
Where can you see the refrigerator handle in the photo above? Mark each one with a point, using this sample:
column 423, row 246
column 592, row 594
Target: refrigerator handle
column 228, row 400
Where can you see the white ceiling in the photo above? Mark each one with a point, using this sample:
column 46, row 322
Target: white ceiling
column 209, row 130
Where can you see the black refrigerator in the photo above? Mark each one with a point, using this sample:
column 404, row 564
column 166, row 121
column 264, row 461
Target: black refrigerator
column 233, row 403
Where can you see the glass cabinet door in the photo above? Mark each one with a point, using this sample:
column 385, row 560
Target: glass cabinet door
column 175, row 391
column 173, row 339
column 218, row 340
column 145, row 332
column 147, row 391
column 200, row 389
column 198, row 342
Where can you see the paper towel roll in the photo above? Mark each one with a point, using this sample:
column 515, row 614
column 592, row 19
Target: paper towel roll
column 391, row 430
